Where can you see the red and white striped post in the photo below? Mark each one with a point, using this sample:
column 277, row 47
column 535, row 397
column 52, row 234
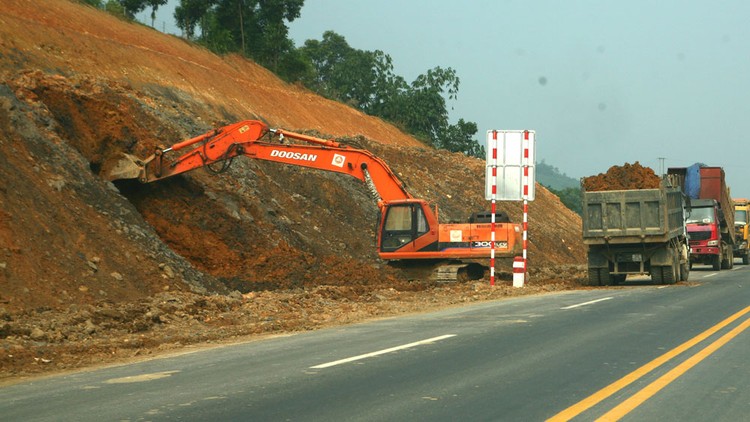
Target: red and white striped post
column 525, row 182
column 492, row 209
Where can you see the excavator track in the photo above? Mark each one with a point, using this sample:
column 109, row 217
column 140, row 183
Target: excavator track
column 441, row 271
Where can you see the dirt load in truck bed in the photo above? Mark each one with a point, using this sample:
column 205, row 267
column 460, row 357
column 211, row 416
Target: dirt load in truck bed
column 625, row 177
column 94, row 272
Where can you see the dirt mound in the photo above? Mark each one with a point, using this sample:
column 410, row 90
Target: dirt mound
column 93, row 270
column 625, row 177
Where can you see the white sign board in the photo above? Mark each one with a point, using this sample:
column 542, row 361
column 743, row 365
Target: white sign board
column 510, row 165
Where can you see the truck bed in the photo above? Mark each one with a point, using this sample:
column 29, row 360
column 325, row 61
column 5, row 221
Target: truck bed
column 632, row 216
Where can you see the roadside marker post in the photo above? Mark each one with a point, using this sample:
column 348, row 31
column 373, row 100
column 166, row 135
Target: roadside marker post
column 510, row 176
column 519, row 271
column 493, row 182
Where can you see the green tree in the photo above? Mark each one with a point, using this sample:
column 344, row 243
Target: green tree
column 132, row 7
column 422, row 109
column 366, row 80
column 356, row 77
column 154, row 7
column 460, row 138
column 271, row 18
column 113, row 7
column 253, row 28
column 189, row 14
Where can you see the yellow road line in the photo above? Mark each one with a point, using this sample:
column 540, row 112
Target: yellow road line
column 647, row 392
column 623, row 382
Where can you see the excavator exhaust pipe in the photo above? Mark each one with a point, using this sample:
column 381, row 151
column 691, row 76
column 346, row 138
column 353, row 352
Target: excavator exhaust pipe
column 122, row 166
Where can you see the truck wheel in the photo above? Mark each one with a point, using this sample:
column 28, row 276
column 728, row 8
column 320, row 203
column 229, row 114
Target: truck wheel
column 593, row 279
column 656, row 275
column 716, row 263
column 599, row 277
column 745, row 259
column 684, row 272
column 670, row 273
column 618, row 279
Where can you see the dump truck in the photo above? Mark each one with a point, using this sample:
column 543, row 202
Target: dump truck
column 710, row 214
column 741, row 229
column 635, row 232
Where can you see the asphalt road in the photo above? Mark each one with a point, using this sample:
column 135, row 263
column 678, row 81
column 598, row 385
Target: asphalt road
column 636, row 353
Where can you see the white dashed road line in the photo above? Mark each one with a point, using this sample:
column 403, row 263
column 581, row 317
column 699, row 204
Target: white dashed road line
column 586, row 303
column 381, row 352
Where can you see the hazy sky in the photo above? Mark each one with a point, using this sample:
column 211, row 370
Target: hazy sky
column 601, row 82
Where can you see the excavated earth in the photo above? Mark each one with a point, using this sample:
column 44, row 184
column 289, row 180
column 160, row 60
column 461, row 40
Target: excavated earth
column 94, row 272
column 625, row 177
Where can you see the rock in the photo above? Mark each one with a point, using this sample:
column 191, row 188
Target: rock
column 58, row 184
column 117, row 276
column 37, row 334
column 154, row 315
column 89, row 327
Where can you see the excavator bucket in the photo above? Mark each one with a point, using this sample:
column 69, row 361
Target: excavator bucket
column 122, row 166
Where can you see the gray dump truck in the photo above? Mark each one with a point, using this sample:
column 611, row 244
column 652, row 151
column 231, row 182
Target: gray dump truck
column 639, row 231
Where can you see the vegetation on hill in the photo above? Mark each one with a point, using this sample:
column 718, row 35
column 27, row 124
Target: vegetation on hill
column 565, row 187
column 552, row 177
column 330, row 67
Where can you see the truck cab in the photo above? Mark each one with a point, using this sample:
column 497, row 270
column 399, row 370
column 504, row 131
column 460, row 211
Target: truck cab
column 710, row 214
column 704, row 233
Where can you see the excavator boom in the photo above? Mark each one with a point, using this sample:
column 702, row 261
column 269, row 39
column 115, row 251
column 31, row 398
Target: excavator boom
column 220, row 146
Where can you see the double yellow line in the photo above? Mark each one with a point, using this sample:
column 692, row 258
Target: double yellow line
column 650, row 390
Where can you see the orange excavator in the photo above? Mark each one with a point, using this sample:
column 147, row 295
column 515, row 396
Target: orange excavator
column 409, row 234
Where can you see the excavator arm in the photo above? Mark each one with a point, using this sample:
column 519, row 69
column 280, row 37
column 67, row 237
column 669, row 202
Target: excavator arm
column 215, row 150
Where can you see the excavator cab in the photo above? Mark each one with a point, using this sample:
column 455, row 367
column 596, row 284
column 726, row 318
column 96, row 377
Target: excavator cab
column 403, row 223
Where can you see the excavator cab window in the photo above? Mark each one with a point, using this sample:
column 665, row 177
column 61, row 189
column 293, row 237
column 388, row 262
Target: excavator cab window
column 403, row 224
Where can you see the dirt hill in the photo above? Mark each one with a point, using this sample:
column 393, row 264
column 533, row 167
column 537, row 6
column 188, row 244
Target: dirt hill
column 93, row 271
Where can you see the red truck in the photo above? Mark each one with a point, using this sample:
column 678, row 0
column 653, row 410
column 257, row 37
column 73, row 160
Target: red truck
column 710, row 215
